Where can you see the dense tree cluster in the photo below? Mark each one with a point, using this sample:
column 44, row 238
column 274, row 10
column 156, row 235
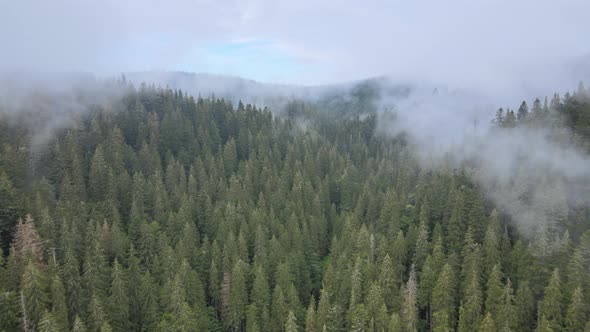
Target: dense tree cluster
column 160, row 212
column 572, row 111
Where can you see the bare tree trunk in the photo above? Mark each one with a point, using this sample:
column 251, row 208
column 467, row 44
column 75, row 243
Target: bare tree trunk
column 24, row 311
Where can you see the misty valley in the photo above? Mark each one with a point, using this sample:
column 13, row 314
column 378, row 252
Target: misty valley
column 128, row 206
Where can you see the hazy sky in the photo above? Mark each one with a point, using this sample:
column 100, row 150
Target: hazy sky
column 500, row 43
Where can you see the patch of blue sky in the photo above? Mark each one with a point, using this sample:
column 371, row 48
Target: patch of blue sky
column 257, row 59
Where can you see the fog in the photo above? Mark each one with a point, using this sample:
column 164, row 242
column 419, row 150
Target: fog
column 532, row 173
column 497, row 45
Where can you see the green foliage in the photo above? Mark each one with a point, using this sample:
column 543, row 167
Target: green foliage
column 157, row 211
column 34, row 295
column 443, row 301
column 576, row 312
column 551, row 306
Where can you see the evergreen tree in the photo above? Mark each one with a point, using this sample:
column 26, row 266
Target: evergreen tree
column 524, row 307
column 443, row 301
column 491, row 245
column 576, row 312
column 470, row 312
column 33, row 295
column 409, row 308
column 507, row 316
column 279, row 310
column 551, row 305
column 48, row 323
column 59, row 308
column 523, row 111
column 494, row 293
column 488, row 324
column 71, row 273
column 291, row 324
column 260, row 298
column 422, row 245
column 118, row 300
column 78, row 325
column 310, row 317
column 359, row 319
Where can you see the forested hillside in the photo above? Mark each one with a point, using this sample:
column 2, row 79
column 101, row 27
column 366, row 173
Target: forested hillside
column 156, row 211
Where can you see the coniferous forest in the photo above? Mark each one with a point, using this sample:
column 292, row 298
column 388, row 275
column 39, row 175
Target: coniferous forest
column 155, row 210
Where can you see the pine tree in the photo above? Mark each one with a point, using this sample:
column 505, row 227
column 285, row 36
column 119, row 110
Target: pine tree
column 48, row 323
column 27, row 243
column 510, row 120
column 79, row 325
column 10, row 305
column 251, row 319
column 494, row 292
column 428, row 278
column 96, row 315
column 524, row 307
column 34, row 295
column 291, row 324
column 409, row 312
column 279, row 309
column 389, row 284
column 488, row 324
column 59, row 308
column 544, row 325
column 455, row 228
column 106, row 327
column 443, row 301
column 470, row 313
column 395, row 323
column 118, row 299
column 323, row 312
column 376, row 308
column 71, row 273
column 399, row 254
column 238, row 297
column 260, row 298
column 576, row 312
column 499, row 119
column 359, row 319
column 491, row 245
column 576, row 274
column 310, row 317
column 523, row 111
column 9, row 208
column 422, row 245
column 506, row 315
column 356, row 282
column 187, row 319
column 550, row 307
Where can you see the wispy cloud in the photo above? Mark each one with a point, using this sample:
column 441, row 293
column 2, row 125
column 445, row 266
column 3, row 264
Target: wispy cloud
column 489, row 44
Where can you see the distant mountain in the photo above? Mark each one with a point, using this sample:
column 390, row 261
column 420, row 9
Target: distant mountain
column 342, row 96
column 231, row 87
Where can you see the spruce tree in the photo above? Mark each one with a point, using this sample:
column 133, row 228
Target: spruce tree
column 550, row 307
column 33, row 295
column 443, row 301
column 494, row 293
column 409, row 312
column 576, row 312
column 118, row 299
column 487, row 324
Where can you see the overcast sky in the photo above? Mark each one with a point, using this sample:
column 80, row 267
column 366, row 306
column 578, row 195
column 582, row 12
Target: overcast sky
column 490, row 44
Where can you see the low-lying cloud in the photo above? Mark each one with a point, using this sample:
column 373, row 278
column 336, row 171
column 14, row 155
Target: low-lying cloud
column 534, row 174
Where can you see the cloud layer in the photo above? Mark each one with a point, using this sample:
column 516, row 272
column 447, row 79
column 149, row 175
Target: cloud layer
column 488, row 44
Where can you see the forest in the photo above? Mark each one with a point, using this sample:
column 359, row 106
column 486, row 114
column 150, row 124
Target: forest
column 155, row 210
